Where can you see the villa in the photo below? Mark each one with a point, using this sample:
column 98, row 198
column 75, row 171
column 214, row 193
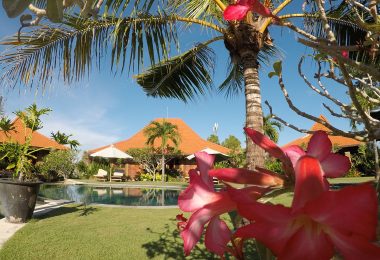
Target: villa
column 38, row 140
column 343, row 145
column 190, row 143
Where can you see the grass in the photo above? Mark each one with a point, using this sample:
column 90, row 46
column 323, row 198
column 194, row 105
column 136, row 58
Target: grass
column 75, row 232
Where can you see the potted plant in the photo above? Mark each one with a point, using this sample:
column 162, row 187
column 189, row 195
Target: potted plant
column 18, row 194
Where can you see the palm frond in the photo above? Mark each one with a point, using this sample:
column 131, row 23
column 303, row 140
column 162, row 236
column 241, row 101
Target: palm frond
column 184, row 76
column 234, row 83
column 72, row 48
column 205, row 10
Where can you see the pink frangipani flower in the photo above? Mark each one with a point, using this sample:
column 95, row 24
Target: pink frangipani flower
column 319, row 221
column 333, row 165
column 239, row 10
column 206, row 204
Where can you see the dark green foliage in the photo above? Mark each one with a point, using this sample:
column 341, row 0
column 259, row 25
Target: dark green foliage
column 60, row 163
column 213, row 139
column 363, row 162
column 87, row 170
column 231, row 142
column 274, row 165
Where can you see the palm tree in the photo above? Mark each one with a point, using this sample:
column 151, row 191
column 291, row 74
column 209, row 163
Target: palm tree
column 144, row 35
column 164, row 131
column 64, row 139
column 270, row 128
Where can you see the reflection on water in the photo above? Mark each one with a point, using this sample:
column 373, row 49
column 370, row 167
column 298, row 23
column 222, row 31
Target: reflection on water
column 109, row 195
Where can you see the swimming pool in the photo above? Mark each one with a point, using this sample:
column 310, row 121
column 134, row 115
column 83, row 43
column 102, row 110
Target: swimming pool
column 111, row 195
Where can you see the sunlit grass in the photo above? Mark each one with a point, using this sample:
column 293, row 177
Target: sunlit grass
column 73, row 232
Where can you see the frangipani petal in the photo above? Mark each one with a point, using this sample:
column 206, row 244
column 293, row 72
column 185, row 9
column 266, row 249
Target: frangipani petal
column 335, row 165
column 193, row 230
column 309, row 182
column 235, row 12
column 217, row 236
column 355, row 247
column 319, row 146
column 294, row 152
column 272, row 235
column 265, row 143
column 308, row 244
column 196, row 195
column 244, row 176
column 205, row 162
column 353, row 209
column 247, row 195
column 259, row 8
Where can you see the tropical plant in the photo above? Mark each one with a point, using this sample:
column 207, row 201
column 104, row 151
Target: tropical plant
column 270, row 126
column 138, row 32
column 213, row 138
column 148, row 159
column 20, row 155
column 165, row 132
column 232, row 143
column 59, row 163
column 64, row 139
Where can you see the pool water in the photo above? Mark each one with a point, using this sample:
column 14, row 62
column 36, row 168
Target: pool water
column 111, row 195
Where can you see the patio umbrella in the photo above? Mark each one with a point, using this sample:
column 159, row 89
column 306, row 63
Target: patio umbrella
column 218, row 155
column 111, row 152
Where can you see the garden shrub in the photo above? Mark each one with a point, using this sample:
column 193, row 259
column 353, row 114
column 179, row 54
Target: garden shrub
column 57, row 164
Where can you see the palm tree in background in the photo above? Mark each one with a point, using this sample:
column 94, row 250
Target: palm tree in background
column 165, row 131
column 138, row 32
column 64, row 139
column 271, row 128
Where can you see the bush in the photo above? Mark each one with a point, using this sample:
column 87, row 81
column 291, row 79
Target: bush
column 57, row 164
column 274, row 165
column 87, row 170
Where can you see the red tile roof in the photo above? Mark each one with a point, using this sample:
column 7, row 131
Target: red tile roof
column 338, row 141
column 38, row 140
column 190, row 143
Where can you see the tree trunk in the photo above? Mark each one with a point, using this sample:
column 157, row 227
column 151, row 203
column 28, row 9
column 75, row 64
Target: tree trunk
column 254, row 115
column 377, row 168
column 163, row 167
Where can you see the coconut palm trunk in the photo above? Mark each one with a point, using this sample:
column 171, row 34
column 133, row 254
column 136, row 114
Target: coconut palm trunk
column 254, row 115
column 163, row 166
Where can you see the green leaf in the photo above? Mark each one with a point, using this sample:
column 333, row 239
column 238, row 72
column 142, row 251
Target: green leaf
column 271, row 74
column 54, row 10
column 11, row 166
column 14, row 8
column 277, row 66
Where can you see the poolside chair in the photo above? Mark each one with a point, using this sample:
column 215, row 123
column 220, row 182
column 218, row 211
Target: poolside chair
column 101, row 175
column 117, row 175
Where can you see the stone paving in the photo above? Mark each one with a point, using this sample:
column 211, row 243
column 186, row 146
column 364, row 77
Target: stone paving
column 7, row 230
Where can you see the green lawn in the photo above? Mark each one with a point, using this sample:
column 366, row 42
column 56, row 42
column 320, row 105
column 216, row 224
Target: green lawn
column 73, row 232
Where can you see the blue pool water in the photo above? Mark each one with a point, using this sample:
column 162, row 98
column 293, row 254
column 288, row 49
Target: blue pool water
column 111, row 195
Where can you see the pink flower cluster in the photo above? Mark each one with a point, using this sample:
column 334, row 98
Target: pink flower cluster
column 319, row 223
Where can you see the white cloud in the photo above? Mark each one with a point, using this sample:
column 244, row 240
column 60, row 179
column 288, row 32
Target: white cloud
column 85, row 131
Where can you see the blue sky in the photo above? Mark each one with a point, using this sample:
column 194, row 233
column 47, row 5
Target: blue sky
column 104, row 108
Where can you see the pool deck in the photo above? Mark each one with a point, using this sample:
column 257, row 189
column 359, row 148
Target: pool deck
column 7, row 230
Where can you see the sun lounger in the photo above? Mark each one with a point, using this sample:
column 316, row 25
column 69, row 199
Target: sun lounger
column 117, row 176
column 101, row 175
